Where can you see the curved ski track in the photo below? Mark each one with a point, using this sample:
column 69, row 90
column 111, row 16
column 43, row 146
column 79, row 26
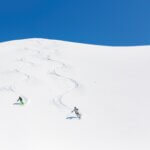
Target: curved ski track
column 57, row 101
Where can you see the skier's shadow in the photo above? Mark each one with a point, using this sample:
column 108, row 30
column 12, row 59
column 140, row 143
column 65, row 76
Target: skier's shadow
column 72, row 117
column 18, row 104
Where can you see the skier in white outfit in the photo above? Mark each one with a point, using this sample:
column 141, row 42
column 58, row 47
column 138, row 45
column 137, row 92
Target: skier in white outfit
column 76, row 111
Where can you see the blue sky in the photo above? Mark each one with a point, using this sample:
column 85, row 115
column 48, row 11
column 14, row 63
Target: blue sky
column 103, row 22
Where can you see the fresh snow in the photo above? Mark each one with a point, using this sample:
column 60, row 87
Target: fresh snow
column 109, row 85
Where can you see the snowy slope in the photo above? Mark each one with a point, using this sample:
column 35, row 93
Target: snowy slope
column 109, row 85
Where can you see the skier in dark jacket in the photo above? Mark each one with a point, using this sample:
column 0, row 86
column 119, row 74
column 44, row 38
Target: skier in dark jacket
column 20, row 100
column 76, row 111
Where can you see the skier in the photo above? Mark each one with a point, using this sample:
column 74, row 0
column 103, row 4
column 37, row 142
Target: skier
column 76, row 111
column 20, row 100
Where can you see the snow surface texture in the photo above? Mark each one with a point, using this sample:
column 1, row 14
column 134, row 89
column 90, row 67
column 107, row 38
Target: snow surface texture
column 109, row 85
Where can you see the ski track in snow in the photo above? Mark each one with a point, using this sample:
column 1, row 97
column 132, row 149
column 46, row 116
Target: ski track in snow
column 6, row 88
column 58, row 99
